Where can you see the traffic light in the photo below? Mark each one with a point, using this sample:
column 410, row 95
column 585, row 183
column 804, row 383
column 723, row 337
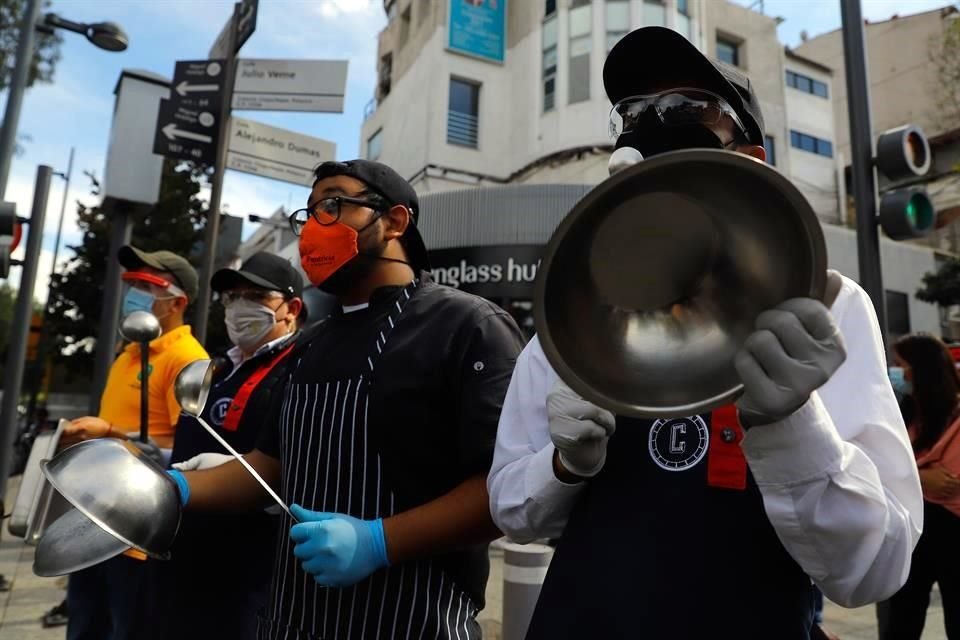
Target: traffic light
column 10, row 234
column 903, row 153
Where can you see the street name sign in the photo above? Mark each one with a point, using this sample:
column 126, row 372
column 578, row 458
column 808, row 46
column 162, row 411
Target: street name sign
column 290, row 85
column 275, row 153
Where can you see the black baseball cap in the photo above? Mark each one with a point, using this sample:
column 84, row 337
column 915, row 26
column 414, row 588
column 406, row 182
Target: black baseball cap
column 646, row 59
column 264, row 271
column 182, row 271
column 391, row 186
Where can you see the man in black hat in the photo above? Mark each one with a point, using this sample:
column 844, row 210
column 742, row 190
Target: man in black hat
column 712, row 526
column 385, row 437
column 202, row 592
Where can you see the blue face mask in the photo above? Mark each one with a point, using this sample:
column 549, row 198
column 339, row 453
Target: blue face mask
column 901, row 385
column 137, row 300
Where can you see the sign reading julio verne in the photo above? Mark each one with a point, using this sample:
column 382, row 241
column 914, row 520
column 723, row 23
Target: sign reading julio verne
column 491, row 272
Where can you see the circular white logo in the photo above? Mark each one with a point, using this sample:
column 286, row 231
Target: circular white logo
column 219, row 411
column 677, row 444
column 213, row 69
column 206, row 119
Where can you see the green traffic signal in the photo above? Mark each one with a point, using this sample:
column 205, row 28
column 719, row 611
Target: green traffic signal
column 906, row 213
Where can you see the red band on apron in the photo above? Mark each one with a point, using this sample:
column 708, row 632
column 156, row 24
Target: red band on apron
column 231, row 421
column 726, row 464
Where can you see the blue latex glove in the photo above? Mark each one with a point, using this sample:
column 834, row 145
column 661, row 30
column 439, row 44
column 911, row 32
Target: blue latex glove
column 336, row 549
column 182, row 487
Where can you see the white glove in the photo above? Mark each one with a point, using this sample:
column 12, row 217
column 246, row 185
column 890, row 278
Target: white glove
column 203, row 461
column 794, row 350
column 579, row 430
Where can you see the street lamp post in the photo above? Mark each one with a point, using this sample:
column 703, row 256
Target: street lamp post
column 105, row 35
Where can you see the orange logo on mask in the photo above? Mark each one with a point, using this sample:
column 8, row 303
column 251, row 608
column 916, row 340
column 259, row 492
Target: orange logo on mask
column 326, row 248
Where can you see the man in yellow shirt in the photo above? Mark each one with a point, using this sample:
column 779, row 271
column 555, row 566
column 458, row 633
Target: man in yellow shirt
column 101, row 600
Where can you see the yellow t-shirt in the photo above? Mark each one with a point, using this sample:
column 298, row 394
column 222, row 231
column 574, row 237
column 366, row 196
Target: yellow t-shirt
column 120, row 402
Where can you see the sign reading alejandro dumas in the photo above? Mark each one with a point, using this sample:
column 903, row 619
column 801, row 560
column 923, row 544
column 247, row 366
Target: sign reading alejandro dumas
column 491, row 272
column 275, row 153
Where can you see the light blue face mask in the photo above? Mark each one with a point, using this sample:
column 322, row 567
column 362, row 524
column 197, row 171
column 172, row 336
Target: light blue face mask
column 901, row 385
column 137, row 300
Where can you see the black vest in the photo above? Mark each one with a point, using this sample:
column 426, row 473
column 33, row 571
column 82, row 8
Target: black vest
column 651, row 551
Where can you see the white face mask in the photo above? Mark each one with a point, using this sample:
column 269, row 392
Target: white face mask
column 248, row 323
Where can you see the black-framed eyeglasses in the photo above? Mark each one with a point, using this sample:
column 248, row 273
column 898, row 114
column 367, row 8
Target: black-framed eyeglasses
column 327, row 211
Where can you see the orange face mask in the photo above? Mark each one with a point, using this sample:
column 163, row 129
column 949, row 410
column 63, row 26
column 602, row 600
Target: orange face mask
column 326, row 248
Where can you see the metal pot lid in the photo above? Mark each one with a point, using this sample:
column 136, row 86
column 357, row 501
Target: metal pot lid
column 74, row 542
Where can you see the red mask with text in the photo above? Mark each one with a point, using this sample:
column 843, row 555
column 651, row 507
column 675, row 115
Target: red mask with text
column 326, row 248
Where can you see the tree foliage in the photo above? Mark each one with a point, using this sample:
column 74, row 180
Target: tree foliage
column 175, row 223
column 47, row 51
column 942, row 287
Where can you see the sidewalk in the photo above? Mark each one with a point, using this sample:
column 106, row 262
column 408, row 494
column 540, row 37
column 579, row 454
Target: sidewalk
column 22, row 607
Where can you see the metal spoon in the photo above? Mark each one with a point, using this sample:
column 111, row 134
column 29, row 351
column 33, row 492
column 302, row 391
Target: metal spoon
column 191, row 389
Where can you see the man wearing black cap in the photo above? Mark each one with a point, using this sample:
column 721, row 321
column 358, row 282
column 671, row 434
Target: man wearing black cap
column 203, row 592
column 101, row 600
column 712, row 526
column 385, row 436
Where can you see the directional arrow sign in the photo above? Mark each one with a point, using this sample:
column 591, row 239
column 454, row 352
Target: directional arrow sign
column 173, row 133
column 186, row 132
column 198, row 83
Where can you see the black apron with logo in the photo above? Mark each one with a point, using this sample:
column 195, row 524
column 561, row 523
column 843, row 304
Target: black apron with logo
column 331, row 462
column 651, row 550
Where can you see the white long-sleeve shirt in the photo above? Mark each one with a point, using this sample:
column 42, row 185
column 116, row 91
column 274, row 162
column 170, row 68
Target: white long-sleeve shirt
column 838, row 477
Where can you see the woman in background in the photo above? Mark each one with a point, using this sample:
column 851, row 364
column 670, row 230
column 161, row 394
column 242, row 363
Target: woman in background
column 926, row 381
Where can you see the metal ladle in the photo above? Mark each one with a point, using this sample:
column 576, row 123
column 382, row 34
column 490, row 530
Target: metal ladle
column 142, row 327
column 191, row 389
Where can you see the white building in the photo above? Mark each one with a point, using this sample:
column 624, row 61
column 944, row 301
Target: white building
column 510, row 94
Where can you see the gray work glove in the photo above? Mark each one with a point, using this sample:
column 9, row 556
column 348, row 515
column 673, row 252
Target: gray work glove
column 579, row 430
column 794, row 350
column 203, row 461
column 148, row 449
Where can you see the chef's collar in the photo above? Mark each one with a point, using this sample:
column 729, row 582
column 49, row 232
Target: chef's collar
column 383, row 294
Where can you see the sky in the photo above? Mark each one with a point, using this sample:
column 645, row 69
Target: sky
column 76, row 109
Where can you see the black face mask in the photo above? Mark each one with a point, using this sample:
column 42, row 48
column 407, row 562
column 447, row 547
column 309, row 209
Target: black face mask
column 652, row 140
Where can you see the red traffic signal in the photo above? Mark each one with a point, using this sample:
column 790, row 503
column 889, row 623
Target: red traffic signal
column 10, row 234
column 903, row 153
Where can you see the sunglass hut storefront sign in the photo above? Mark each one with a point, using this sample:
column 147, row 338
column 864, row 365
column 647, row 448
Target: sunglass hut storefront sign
column 490, row 272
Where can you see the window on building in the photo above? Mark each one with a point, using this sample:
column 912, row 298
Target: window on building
column 770, row 145
column 806, row 84
column 728, row 51
column 463, row 113
column 549, row 63
column 375, row 145
column 391, row 10
column 385, row 74
column 812, row 144
column 654, row 13
column 898, row 313
column 405, row 25
column 581, row 19
column 684, row 23
column 550, row 8
column 618, row 21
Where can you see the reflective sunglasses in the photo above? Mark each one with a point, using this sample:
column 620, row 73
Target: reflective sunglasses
column 673, row 108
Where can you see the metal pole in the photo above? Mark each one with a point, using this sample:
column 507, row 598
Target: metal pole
column 144, row 390
column 18, row 84
column 216, row 188
column 20, row 325
column 861, row 158
column 121, row 226
column 524, row 570
column 39, row 366
column 63, row 209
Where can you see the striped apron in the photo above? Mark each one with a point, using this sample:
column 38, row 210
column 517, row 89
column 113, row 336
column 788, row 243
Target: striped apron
column 331, row 463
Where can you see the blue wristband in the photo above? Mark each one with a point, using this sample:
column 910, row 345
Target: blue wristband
column 379, row 541
column 183, row 488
